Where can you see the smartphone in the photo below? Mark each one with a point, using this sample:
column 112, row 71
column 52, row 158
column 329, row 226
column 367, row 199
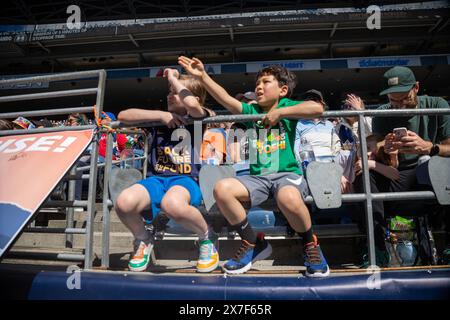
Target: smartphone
column 400, row 132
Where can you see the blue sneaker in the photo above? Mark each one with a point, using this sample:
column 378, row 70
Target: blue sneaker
column 247, row 254
column 315, row 263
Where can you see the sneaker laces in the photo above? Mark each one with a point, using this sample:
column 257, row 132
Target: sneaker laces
column 204, row 250
column 139, row 252
column 313, row 253
column 242, row 249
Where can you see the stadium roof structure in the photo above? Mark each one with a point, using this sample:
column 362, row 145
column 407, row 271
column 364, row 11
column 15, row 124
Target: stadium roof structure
column 38, row 12
column 34, row 37
column 214, row 31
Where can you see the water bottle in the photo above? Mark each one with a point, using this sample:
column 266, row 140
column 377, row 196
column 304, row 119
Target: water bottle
column 212, row 161
column 407, row 253
column 126, row 159
column 306, row 153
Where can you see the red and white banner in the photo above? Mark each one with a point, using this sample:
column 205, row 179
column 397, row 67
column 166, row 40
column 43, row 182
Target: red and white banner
column 30, row 167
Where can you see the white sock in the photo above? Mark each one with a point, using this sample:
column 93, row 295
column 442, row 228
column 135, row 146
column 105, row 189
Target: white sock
column 203, row 236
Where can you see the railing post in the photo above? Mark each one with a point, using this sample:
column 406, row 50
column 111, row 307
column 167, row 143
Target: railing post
column 70, row 210
column 89, row 254
column 144, row 168
column 367, row 191
column 106, row 212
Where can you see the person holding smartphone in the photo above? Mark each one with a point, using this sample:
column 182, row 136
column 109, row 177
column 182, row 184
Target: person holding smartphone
column 411, row 137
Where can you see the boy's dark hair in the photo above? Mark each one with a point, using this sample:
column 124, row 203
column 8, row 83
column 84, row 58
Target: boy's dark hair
column 284, row 76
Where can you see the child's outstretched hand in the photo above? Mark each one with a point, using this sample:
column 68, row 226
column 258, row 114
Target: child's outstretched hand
column 172, row 120
column 192, row 66
column 171, row 73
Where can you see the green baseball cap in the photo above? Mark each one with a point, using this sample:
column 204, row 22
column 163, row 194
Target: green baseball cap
column 398, row 79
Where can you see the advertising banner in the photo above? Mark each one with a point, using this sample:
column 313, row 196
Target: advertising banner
column 30, row 168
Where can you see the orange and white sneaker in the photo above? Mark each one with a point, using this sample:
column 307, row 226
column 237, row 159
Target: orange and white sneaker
column 141, row 258
column 209, row 257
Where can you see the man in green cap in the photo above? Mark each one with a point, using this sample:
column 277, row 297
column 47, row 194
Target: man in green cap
column 425, row 135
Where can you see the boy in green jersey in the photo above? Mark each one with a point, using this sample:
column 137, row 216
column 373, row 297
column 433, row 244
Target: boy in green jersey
column 274, row 171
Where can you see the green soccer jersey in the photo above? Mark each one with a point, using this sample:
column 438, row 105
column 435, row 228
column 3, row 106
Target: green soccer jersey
column 271, row 150
column 434, row 128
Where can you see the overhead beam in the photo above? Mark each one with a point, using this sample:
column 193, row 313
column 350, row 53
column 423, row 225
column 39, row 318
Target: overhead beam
column 231, row 34
column 131, row 7
column 435, row 25
column 43, row 47
column 133, row 40
column 443, row 25
column 333, row 30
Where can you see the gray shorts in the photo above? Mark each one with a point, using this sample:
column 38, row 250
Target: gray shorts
column 267, row 186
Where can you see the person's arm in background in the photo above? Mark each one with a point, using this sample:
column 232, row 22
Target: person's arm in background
column 134, row 116
column 297, row 142
column 358, row 104
column 195, row 68
column 394, row 159
column 234, row 149
column 191, row 102
column 336, row 145
column 345, row 159
column 387, row 171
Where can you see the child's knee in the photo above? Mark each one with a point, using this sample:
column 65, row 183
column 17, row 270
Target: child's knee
column 174, row 207
column 289, row 194
column 126, row 202
column 222, row 190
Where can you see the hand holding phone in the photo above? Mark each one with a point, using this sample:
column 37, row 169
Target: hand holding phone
column 400, row 133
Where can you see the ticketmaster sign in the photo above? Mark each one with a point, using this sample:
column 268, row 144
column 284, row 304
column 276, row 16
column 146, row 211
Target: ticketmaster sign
column 383, row 62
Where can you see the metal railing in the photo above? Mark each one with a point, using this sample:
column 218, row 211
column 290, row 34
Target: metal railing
column 99, row 91
column 106, row 198
column 367, row 197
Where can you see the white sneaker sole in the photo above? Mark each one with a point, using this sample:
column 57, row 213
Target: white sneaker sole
column 206, row 270
column 144, row 267
column 318, row 274
column 139, row 269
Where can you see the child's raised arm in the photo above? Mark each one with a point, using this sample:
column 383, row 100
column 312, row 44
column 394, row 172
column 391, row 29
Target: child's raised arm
column 133, row 116
column 196, row 69
column 192, row 104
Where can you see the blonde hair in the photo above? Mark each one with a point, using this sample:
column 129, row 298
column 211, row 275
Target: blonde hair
column 195, row 87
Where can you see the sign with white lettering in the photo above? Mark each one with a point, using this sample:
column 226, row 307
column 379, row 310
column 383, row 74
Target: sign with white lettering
column 30, row 168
